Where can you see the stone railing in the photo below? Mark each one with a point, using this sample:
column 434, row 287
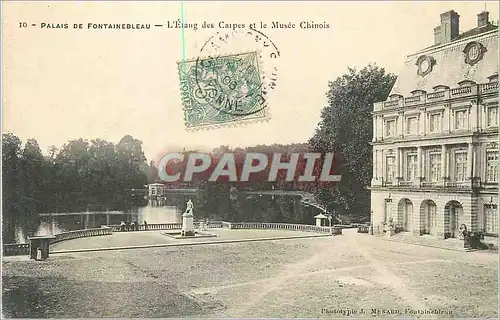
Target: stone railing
column 466, row 91
column 414, row 100
column 148, row 227
column 11, row 249
column 230, row 225
column 285, row 226
column 81, row 234
column 363, row 229
column 488, row 87
column 16, row 249
column 24, row 248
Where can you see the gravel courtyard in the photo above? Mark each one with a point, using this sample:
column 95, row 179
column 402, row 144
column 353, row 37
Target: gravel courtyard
column 352, row 275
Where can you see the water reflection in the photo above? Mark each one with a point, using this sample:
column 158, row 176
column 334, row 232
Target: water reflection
column 58, row 223
column 169, row 210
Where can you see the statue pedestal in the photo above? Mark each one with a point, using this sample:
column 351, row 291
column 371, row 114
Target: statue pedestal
column 187, row 224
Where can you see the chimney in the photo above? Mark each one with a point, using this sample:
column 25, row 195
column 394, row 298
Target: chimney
column 449, row 28
column 483, row 19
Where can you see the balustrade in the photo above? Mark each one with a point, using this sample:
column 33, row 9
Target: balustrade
column 392, row 103
column 15, row 249
column 81, row 234
column 440, row 95
column 414, row 100
column 460, row 91
column 23, row 249
column 278, row 226
column 488, row 87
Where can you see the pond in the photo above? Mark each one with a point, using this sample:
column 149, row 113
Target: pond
column 169, row 209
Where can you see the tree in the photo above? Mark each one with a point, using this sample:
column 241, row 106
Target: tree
column 11, row 154
column 346, row 130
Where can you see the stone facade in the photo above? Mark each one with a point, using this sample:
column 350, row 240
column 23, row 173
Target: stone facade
column 435, row 140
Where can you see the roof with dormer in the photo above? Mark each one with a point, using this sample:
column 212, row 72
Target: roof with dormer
column 449, row 65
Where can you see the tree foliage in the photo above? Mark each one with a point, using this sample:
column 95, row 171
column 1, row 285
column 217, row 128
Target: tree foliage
column 346, row 129
column 81, row 175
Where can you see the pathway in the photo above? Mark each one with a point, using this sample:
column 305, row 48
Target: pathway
column 306, row 278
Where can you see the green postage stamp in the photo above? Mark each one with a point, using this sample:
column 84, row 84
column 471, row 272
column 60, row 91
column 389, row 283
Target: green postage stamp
column 223, row 91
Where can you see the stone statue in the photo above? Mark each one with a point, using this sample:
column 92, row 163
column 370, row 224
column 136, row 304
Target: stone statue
column 391, row 222
column 463, row 232
column 189, row 206
column 391, row 230
column 187, row 220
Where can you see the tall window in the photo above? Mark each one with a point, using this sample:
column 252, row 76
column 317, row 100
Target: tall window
column 435, row 167
column 435, row 122
column 411, row 125
column 411, row 167
column 492, row 166
column 490, row 218
column 460, row 119
column 492, row 116
column 460, row 166
column 391, row 168
column 390, row 128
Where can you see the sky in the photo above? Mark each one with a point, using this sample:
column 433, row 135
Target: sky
column 63, row 84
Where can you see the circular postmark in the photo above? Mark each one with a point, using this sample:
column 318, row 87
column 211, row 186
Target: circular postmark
column 236, row 84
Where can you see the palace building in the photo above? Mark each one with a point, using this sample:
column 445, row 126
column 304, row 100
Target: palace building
column 435, row 140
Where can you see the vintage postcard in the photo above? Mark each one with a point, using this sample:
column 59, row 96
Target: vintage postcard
column 181, row 159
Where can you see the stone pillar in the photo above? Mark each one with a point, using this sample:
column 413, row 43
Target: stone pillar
column 448, row 119
column 475, row 161
column 375, row 135
column 420, row 164
column 398, row 160
column 422, row 122
column 470, row 154
column 401, row 124
column 474, row 116
column 484, row 116
column 107, row 219
column 374, row 164
column 444, row 167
